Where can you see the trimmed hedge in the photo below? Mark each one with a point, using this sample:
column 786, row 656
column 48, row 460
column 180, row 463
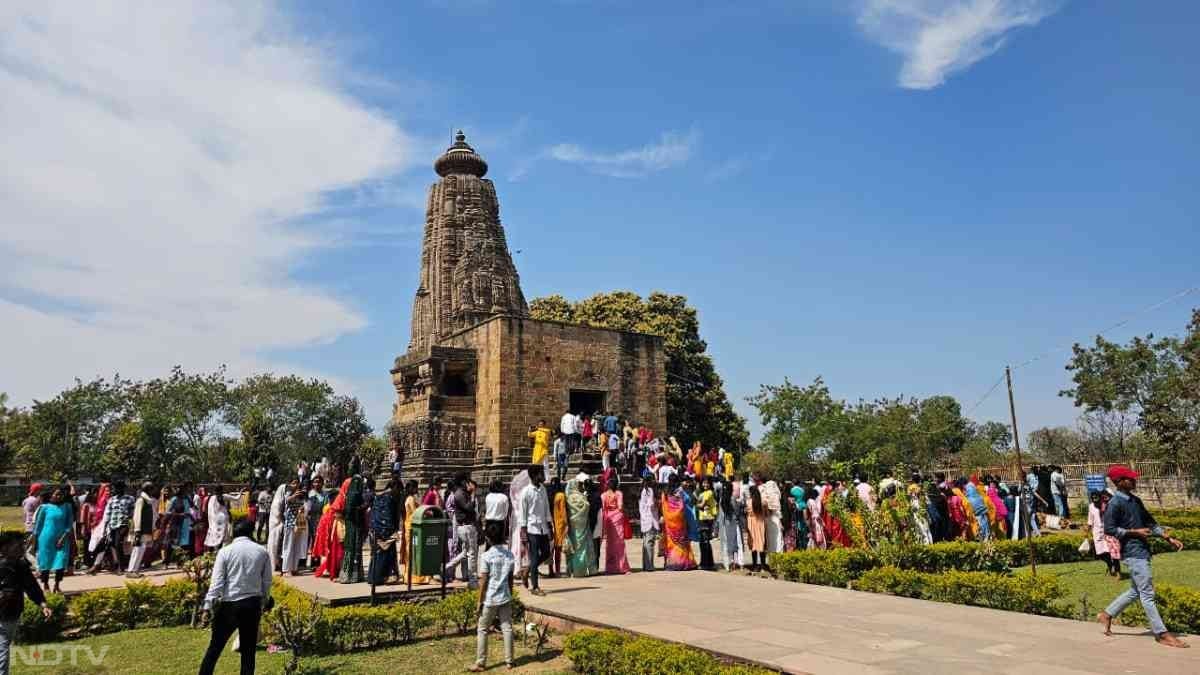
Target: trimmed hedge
column 1189, row 521
column 610, row 652
column 840, row 566
column 1178, row 605
column 832, row 567
column 141, row 604
column 35, row 627
column 1018, row 592
column 354, row 627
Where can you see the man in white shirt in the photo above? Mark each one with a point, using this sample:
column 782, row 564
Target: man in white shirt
column 496, row 508
column 241, row 583
column 566, row 426
column 665, row 471
column 1058, row 490
column 533, row 517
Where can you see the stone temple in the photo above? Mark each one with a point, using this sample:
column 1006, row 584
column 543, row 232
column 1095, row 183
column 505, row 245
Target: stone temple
column 479, row 371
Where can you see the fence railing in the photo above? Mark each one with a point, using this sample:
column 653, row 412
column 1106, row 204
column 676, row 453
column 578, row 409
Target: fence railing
column 1146, row 469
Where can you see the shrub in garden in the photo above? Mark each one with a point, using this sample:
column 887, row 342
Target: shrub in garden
column 35, row 627
column 833, row 567
column 609, row 652
column 1178, row 605
column 1019, row 592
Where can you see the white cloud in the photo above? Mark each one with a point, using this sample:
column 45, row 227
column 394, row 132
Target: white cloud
column 672, row 149
column 158, row 161
column 941, row 37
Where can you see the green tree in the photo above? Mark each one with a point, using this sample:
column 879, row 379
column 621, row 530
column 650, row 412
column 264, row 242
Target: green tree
column 697, row 406
column 1155, row 381
column 66, row 436
column 802, row 424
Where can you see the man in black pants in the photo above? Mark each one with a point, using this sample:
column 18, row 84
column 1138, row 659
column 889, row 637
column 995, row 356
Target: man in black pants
column 534, row 519
column 241, row 584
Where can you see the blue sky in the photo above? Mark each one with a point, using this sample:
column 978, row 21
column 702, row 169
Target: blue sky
column 898, row 195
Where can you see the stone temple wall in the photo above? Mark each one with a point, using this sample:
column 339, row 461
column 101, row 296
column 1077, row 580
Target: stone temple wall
column 527, row 369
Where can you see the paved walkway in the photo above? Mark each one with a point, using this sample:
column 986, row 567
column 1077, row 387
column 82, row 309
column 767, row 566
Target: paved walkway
column 828, row 631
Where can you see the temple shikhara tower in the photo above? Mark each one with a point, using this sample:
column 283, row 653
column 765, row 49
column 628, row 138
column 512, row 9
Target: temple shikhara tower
column 478, row 370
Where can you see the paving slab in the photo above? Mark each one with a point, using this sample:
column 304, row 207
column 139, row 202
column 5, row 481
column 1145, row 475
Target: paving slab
column 799, row 628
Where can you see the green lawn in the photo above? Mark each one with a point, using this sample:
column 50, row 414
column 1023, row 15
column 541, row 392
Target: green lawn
column 1088, row 578
column 12, row 518
column 170, row 651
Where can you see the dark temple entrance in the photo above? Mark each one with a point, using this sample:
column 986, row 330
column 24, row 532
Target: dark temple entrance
column 585, row 402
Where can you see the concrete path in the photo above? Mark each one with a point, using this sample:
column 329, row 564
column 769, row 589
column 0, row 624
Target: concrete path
column 829, row 631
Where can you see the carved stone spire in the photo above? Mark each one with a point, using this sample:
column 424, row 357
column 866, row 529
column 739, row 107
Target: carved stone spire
column 467, row 273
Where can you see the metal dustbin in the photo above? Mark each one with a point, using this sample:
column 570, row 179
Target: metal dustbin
column 428, row 540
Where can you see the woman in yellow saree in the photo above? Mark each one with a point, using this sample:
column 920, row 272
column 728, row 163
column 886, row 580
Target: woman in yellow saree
column 411, row 503
column 676, row 546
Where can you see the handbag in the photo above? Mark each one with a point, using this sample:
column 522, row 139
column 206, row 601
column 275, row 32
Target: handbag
column 628, row 529
column 1085, row 546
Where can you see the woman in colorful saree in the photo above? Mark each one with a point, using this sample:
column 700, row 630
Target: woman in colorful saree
column 834, row 532
column 328, row 543
column 581, row 559
column 1001, row 511
column 961, row 519
column 352, row 543
column 613, row 503
column 677, row 547
column 980, row 509
column 411, row 503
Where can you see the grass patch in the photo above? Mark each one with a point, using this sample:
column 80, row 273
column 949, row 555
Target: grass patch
column 1079, row 578
column 12, row 518
column 169, row 651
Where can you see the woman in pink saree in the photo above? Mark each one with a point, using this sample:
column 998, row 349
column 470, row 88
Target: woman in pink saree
column 613, row 512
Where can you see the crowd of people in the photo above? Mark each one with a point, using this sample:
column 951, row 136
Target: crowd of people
column 105, row 527
column 687, row 501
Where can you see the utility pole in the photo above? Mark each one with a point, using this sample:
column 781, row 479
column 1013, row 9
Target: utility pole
column 1012, row 409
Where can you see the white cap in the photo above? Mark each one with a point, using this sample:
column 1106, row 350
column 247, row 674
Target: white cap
column 582, row 476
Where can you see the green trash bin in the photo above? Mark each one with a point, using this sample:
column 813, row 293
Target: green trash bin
column 428, row 541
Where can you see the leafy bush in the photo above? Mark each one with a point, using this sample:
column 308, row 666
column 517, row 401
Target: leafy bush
column 343, row 629
column 1190, row 539
column 457, row 611
column 893, row 581
column 609, row 652
column 35, row 627
column 1178, row 605
column 1186, row 521
column 833, row 567
column 1017, row 592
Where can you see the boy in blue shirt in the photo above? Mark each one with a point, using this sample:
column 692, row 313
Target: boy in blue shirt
column 495, row 595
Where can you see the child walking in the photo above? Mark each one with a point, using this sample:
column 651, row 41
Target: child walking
column 495, row 596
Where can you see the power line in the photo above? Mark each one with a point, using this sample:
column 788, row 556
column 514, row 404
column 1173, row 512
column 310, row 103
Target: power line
column 1146, row 310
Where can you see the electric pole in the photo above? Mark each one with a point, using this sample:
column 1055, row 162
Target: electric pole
column 1012, row 409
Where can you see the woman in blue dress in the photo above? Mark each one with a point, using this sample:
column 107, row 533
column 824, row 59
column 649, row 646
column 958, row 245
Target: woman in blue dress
column 52, row 531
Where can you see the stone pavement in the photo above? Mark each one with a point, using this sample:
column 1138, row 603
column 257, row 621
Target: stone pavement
column 800, row 628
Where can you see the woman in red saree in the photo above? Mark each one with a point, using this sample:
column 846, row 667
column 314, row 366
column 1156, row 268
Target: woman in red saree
column 613, row 511
column 834, row 533
column 328, row 541
column 677, row 548
column 201, row 510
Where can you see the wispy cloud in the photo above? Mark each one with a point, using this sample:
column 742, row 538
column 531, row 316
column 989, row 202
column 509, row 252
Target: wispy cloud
column 167, row 166
column 938, row 38
column 672, row 149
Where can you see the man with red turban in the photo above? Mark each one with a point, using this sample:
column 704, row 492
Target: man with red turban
column 1128, row 520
